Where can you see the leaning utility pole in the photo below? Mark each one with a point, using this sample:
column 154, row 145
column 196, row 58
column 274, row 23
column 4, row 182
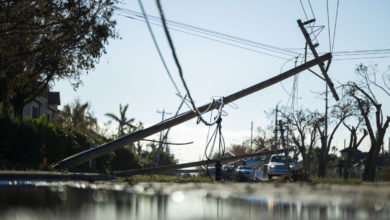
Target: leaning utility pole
column 315, row 54
column 87, row 155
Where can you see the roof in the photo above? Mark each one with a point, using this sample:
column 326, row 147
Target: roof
column 53, row 98
column 347, row 149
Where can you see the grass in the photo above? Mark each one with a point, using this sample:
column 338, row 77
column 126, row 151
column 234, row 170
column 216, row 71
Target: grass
column 336, row 180
column 165, row 178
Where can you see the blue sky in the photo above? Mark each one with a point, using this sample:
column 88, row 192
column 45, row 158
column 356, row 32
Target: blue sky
column 131, row 71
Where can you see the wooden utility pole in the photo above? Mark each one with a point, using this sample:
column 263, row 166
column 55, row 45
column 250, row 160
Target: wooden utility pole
column 87, row 155
column 315, row 54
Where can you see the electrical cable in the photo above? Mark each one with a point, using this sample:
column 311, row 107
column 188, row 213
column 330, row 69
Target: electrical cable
column 335, row 24
column 304, row 11
column 223, row 42
column 218, row 104
column 226, row 43
column 327, row 14
column 158, row 49
column 362, row 58
column 311, row 8
column 214, row 33
column 311, row 25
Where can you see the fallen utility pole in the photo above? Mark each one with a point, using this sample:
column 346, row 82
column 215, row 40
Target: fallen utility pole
column 93, row 153
column 192, row 164
column 315, row 54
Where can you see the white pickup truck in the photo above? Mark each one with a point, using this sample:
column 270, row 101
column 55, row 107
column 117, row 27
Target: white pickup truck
column 277, row 166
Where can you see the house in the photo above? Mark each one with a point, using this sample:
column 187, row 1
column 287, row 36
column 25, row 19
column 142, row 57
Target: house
column 356, row 156
column 359, row 160
column 43, row 105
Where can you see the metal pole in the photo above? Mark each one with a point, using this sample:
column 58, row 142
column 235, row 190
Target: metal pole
column 326, row 117
column 157, row 156
column 251, row 134
column 86, row 155
column 165, row 138
column 273, row 147
column 286, row 153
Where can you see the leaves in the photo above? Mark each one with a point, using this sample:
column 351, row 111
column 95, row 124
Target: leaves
column 42, row 41
column 124, row 125
column 78, row 117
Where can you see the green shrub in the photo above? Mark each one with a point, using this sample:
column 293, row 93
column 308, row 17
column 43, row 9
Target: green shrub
column 125, row 159
column 165, row 158
column 35, row 144
column 386, row 174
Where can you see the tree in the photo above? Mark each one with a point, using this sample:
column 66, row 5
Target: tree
column 125, row 159
column 42, row 41
column 365, row 92
column 303, row 132
column 354, row 143
column 124, row 124
column 79, row 117
column 164, row 157
column 138, row 146
column 338, row 114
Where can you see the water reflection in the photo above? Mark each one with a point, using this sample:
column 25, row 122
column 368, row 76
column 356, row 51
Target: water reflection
column 70, row 202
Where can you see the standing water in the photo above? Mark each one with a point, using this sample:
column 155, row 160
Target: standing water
column 121, row 200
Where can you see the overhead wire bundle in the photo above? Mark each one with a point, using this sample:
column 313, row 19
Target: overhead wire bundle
column 255, row 46
column 212, row 35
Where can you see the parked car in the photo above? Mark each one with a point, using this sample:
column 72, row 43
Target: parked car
column 277, row 166
column 245, row 171
column 228, row 171
column 255, row 162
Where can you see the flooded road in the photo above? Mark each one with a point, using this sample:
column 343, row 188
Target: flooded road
column 120, row 200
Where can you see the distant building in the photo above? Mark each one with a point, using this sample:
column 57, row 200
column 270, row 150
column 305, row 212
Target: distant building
column 43, row 105
column 356, row 156
column 359, row 160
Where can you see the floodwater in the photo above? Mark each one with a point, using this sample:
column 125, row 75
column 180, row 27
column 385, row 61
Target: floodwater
column 120, row 200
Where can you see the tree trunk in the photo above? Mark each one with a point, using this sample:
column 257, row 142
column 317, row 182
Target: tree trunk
column 322, row 166
column 347, row 164
column 322, row 160
column 305, row 164
column 370, row 165
column 18, row 105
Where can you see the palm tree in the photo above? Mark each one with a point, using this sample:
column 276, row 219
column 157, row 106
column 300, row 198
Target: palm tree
column 122, row 120
column 78, row 117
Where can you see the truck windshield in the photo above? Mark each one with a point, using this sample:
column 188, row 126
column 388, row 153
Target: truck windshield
column 281, row 159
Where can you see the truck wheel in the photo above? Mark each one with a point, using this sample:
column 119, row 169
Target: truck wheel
column 269, row 176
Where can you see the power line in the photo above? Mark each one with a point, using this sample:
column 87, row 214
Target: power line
column 361, row 58
column 304, row 11
column 327, row 14
column 307, row 18
column 213, row 33
column 195, row 109
column 335, row 24
column 363, row 51
column 335, row 53
column 208, row 31
column 212, row 39
column 158, row 48
column 311, row 8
